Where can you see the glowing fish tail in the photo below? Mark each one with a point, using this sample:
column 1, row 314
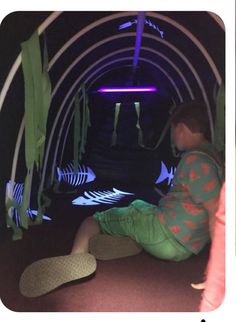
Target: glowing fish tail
column 165, row 174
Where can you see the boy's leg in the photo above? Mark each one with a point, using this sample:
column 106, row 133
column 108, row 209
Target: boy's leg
column 87, row 230
column 47, row 274
column 89, row 239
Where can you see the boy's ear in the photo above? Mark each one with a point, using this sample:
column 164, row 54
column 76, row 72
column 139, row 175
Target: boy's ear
column 183, row 127
column 180, row 126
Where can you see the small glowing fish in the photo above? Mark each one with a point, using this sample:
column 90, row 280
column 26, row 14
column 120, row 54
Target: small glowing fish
column 18, row 197
column 166, row 174
column 127, row 24
column 100, row 197
column 147, row 22
column 84, row 175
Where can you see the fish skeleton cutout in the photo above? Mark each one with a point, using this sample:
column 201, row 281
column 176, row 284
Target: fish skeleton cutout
column 18, row 197
column 146, row 21
column 100, row 197
column 84, row 175
column 166, row 174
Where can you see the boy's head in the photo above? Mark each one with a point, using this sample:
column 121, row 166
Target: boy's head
column 193, row 115
column 189, row 124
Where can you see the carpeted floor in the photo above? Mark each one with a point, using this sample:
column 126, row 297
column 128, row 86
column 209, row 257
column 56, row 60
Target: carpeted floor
column 136, row 284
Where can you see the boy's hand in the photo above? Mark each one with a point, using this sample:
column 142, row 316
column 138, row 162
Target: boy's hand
column 199, row 286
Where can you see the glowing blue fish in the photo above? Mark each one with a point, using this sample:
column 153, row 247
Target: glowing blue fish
column 146, row 21
column 127, row 24
column 84, row 175
column 166, row 174
column 92, row 198
column 18, row 197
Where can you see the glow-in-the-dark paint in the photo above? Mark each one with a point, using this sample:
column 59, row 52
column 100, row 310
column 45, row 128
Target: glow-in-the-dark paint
column 165, row 174
column 83, row 175
column 93, row 198
column 18, row 197
column 147, row 22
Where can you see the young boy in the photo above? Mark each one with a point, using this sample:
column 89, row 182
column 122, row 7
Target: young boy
column 178, row 226
column 175, row 229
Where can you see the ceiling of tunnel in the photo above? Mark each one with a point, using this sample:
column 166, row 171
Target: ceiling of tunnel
column 92, row 31
column 90, row 44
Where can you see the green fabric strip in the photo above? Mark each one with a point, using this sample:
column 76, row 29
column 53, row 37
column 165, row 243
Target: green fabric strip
column 24, row 219
column 88, row 112
column 219, row 138
column 163, row 133
column 30, row 123
column 76, row 133
column 116, row 118
column 83, row 134
column 140, row 132
column 43, row 203
column 37, row 101
column 87, row 120
column 46, row 101
column 17, row 232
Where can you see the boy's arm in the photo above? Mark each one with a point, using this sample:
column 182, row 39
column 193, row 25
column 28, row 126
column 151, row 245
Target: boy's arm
column 211, row 206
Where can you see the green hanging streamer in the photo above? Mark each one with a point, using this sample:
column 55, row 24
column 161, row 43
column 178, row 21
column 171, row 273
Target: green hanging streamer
column 140, row 132
column 76, row 133
column 37, row 99
column 30, row 122
column 17, row 232
column 83, row 132
column 219, row 137
column 43, row 202
column 24, row 219
column 114, row 134
column 87, row 120
column 46, row 101
column 88, row 112
column 37, row 88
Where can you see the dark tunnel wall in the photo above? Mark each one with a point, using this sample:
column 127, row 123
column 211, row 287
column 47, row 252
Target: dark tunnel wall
column 188, row 62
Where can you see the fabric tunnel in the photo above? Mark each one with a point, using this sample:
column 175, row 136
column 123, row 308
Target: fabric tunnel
column 85, row 106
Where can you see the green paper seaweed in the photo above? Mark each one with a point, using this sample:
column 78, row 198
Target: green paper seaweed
column 116, row 118
column 37, row 90
column 219, row 137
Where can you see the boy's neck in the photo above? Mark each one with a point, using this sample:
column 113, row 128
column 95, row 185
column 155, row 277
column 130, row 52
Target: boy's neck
column 195, row 141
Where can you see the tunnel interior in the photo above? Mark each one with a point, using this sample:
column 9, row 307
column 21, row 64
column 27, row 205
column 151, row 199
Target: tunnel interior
column 69, row 148
column 180, row 54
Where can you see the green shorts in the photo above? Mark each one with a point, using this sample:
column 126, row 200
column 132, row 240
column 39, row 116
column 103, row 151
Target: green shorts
column 140, row 221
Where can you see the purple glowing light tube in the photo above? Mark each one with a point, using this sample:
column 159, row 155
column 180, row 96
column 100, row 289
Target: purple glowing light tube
column 126, row 89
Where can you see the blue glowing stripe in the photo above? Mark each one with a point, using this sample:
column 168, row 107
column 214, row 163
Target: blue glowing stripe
column 147, row 22
column 165, row 174
column 33, row 213
column 18, row 197
column 84, row 175
column 93, row 198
